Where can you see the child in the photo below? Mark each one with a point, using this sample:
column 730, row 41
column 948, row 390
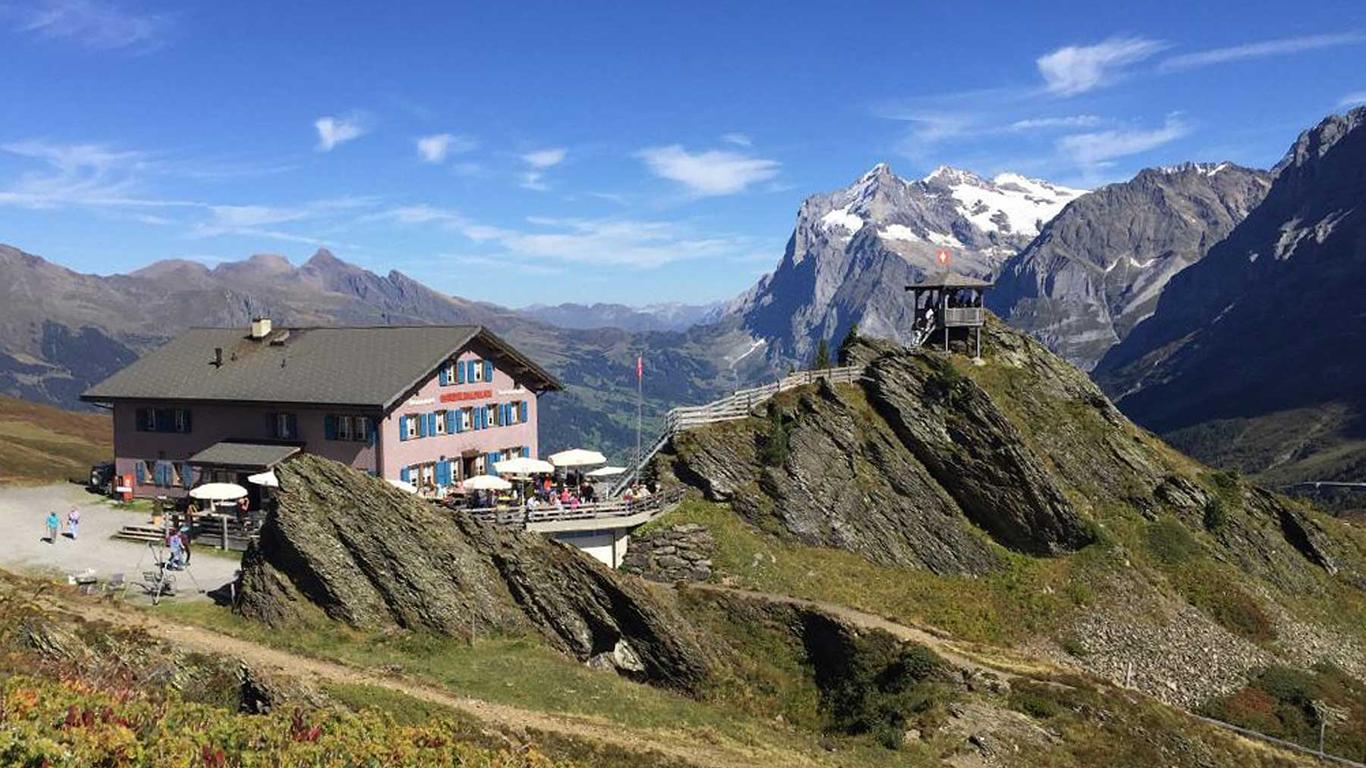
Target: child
column 73, row 522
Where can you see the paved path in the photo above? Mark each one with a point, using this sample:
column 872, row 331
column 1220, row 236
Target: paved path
column 23, row 511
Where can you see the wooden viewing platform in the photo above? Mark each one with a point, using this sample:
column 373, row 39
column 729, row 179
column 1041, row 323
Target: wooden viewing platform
column 945, row 301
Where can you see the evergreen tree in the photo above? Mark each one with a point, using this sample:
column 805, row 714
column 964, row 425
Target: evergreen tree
column 822, row 358
column 849, row 339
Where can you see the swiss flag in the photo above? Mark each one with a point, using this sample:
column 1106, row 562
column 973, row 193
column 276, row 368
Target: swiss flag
column 943, row 257
column 640, row 367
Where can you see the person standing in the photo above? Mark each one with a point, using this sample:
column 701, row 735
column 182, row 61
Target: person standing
column 53, row 522
column 73, row 522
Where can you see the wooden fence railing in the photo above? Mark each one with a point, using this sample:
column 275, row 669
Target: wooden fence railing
column 736, row 405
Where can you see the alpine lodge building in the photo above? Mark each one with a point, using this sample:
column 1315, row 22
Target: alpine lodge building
column 429, row 405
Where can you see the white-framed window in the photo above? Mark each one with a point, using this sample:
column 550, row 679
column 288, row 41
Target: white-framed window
column 286, row 426
column 361, row 431
column 344, row 427
column 478, row 370
column 441, row 422
column 182, row 420
column 466, row 419
column 411, row 421
column 451, row 375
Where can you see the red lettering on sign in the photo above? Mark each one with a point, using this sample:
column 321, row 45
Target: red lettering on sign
column 478, row 394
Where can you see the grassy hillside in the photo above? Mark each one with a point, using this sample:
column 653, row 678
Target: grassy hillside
column 41, row 443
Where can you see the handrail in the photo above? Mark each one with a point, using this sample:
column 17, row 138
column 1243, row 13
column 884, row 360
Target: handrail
column 736, row 405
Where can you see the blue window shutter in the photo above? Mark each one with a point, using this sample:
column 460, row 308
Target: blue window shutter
column 488, row 370
column 187, row 475
column 403, row 474
column 187, row 419
column 431, row 423
column 370, row 432
column 484, row 417
column 526, row 451
column 442, row 377
column 459, row 372
column 521, row 411
column 469, row 374
column 140, row 469
column 330, row 427
column 488, row 461
column 402, row 427
column 293, row 422
column 421, row 424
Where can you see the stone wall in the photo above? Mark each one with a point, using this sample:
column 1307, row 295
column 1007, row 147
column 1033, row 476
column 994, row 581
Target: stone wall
column 675, row 553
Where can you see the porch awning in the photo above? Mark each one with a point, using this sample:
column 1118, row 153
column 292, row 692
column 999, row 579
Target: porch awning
column 243, row 455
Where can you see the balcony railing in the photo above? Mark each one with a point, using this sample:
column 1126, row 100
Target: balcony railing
column 955, row 316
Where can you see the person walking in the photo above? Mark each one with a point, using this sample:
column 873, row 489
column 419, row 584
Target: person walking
column 53, row 523
column 73, row 522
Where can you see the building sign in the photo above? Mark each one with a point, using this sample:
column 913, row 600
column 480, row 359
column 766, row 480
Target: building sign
column 422, row 401
column 478, row 394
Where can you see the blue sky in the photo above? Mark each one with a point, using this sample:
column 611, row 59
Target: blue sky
column 633, row 152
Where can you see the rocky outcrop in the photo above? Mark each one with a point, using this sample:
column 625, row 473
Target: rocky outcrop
column 671, row 553
column 959, row 434
column 371, row 556
column 847, row 481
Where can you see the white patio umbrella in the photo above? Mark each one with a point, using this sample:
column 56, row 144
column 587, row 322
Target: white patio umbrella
column 218, row 492
column 523, row 466
column 486, row 483
column 266, row 479
column 607, row 472
column 402, row 486
column 577, row 457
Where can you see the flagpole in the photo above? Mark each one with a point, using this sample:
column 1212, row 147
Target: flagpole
column 640, row 404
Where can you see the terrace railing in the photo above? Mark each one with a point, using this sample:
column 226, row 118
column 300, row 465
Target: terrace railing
column 599, row 514
column 737, row 405
column 958, row 316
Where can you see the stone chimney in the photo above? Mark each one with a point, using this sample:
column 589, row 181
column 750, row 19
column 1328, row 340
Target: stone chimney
column 260, row 327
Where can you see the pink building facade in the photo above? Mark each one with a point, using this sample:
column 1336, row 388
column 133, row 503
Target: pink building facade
column 453, row 418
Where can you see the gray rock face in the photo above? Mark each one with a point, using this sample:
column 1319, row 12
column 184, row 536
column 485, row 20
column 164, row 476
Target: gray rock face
column 1270, row 320
column 373, row 557
column 853, row 251
column 848, row 482
column 671, row 554
column 1097, row 269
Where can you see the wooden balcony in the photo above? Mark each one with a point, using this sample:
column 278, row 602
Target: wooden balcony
column 613, row 513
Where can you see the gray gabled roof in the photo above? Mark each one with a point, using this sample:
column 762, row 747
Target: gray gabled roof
column 364, row 367
column 950, row 280
column 252, row 455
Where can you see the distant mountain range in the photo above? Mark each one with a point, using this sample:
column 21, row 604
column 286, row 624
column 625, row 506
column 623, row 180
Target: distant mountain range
column 669, row 316
column 1253, row 356
column 61, row 331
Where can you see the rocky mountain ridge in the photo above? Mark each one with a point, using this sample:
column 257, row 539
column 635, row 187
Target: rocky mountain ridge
column 852, row 251
column 1097, row 269
column 1264, row 324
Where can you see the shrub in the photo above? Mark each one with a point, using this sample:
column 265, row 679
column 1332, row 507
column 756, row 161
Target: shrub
column 1035, row 699
column 1216, row 515
column 1225, row 603
column 821, row 359
column 1170, row 542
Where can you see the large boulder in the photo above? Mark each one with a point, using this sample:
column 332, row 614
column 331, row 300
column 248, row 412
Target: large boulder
column 372, row 556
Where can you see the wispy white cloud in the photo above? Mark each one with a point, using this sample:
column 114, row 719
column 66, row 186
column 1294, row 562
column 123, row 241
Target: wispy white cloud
column 437, row 147
column 545, row 158
column 1278, row 47
column 334, row 131
column 92, row 24
column 1096, row 149
column 709, row 173
column 1076, row 69
column 1051, row 123
column 76, row 175
column 539, row 161
column 738, row 139
column 1353, row 99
